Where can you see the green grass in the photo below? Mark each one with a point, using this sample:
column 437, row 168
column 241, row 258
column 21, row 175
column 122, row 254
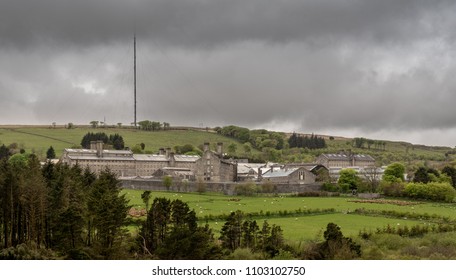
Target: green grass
column 39, row 139
column 394, row 151
column 215, row 204
column 312, row 227
column 299, row 227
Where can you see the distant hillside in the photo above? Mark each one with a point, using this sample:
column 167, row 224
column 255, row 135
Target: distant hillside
column 38, row 139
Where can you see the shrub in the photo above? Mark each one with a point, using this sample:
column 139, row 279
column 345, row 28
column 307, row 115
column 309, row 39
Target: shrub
column 330, row 187
column 244, row 254
column 431, row 191
column 248, row 189
column 395, row 189
column 267, row 187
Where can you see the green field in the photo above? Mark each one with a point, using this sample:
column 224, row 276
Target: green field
column 38, row 139
column 299, row 227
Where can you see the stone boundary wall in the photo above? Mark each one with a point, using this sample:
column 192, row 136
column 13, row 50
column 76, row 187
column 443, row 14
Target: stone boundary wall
column 227, row 188
column 369, row 195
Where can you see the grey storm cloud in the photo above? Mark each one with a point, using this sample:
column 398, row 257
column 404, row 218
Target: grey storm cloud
column 367, row 67
column 213, row 22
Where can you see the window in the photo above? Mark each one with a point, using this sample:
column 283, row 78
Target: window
column 301, row 175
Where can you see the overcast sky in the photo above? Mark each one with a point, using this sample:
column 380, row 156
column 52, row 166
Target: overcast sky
column 357, row 68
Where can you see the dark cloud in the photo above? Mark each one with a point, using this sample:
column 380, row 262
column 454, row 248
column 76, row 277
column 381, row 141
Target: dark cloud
column 213, row 22
column 378, row 68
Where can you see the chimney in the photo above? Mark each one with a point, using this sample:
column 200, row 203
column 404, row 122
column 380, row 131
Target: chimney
column 172, row 160
column 260, row 174
column 99, row 145
column 168, row 151
column 206, row 147
column 161, row 151
column 93, row 145
column 220, row 148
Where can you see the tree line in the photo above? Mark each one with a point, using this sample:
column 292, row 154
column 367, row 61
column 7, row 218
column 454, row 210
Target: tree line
column 361, row 142
column 64, row 210
column 114, row 140
column 258, row 138
column 425, row 183
column 153, row 125
column 312, row 142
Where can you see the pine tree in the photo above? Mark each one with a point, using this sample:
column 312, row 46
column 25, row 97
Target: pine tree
column 107, row 210
column 50, row 154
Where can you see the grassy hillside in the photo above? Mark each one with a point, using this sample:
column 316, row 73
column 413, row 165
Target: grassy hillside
column 395, row 151
column 301, row 226
column 38, row 139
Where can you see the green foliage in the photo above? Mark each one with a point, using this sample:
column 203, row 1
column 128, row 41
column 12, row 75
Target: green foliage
column 107, row 210
column 348, row 180
column 241, row 133
column 150, row 125
column 244, row 254
column 25, row 252
column 167, row 182
column 232, row 149
column 145, row 196
column 50, row 154
column 431, row 191
column 185, row 149
column 312, row 142
column 330, row 187
column 259, row 138
column 421, row 176
column 247, row 189
column 19, row 161
column 240, row 233
column 336, row 246
column 171, row 232
column 394, row 172
column 94, row 124
column 116, row 141
column 394, row 189
column 451, row 173
column 4, row 152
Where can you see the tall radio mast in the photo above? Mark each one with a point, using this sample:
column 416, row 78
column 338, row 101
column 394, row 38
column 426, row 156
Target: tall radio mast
column 134, row 73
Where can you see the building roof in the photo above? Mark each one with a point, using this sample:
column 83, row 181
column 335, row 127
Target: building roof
column 279, row 173
column 124, row 155
column 363, row 157
column 244, row 168
column 342, row 156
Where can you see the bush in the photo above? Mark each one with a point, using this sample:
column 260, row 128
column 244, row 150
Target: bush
column 394, row 189
column 330, row 187
column 248, row 189
column 244, row 254
column 268, row 187
column 431, row 191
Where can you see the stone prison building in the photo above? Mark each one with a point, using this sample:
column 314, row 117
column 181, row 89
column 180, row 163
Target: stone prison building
column 211, row 166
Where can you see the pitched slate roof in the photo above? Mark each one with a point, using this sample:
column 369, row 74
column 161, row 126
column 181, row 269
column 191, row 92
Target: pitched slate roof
column 347, row 157
column 279, row 173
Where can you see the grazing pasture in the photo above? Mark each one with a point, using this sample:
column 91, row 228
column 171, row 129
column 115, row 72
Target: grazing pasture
column 305, row 218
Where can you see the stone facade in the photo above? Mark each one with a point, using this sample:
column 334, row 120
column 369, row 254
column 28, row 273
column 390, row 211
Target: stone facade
column 210, row 167
column 292, row 176
column 344, row 160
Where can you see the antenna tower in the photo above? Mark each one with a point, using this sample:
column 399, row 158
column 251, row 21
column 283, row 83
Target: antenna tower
column 134, row 73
